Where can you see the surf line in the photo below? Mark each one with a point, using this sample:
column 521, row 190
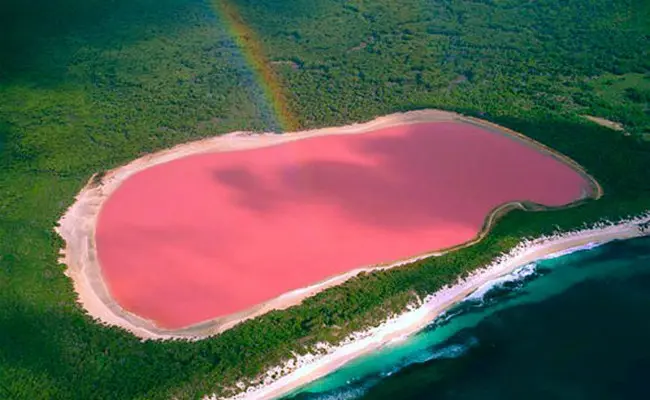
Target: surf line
column 251, row 48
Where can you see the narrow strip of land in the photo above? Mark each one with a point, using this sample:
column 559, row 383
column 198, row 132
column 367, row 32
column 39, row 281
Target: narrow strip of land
column 302, row 371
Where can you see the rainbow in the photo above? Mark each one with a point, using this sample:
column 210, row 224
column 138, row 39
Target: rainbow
column 251, row 48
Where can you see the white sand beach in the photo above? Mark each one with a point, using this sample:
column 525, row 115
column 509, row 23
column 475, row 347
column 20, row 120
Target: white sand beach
column 301, row 370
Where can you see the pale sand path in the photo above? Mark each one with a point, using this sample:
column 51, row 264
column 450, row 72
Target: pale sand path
column 77, row 226
column 415, row 320
column 617, row 126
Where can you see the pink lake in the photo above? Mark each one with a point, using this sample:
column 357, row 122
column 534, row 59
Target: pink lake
column 209, row 235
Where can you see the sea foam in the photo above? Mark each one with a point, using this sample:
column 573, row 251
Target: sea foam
column 519, row 274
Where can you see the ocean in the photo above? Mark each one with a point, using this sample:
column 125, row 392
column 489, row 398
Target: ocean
column 572, row 327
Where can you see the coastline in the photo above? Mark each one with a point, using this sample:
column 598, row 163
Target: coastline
column 77, row 226
column 301, row 370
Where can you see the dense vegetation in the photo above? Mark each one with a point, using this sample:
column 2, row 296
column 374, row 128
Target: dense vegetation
column 88, row 85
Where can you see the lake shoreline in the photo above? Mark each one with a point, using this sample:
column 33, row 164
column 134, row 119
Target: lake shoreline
column 78, row 225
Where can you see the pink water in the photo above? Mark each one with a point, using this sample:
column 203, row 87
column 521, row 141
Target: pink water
column 210, row 235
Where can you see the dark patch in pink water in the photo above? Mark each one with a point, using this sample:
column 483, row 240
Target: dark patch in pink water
column 209, row 235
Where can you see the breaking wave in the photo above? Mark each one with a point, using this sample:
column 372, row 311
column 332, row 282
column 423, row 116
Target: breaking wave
column 563, row 253
column 357, row 387
column 519, row 275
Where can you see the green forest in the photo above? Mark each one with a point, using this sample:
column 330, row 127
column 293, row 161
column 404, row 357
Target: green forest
column 86, row 86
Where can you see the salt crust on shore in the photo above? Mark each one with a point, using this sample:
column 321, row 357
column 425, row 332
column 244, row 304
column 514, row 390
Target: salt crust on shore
column 77, row 226
column 326, row 358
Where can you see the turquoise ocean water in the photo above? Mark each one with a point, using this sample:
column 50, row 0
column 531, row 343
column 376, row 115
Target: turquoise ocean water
column 571, row 327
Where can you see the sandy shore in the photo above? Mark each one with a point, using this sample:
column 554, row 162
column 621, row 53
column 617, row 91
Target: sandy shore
column 77, row 226
column 304, row 369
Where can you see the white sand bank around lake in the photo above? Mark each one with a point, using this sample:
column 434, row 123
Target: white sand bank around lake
column 77, row 226
column 301, row 370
